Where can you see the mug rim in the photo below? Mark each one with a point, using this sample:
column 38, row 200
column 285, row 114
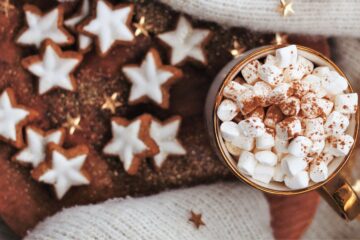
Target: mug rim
column 230, row 75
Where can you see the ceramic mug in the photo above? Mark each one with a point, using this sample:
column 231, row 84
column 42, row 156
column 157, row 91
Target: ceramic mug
column 335, row 189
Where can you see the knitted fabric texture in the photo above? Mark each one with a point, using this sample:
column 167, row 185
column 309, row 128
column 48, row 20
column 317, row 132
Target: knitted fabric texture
column 229, row 210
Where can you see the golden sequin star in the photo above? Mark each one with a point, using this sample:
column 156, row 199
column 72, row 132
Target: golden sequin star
column 142, row 27
column 280, row 38
column 6, row 6
column 286, row 8
column 72, row 124
column 237, row 49
column 111, row 103
column 196, row 219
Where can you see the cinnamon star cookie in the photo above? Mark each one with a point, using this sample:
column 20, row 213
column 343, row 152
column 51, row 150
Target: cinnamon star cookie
column 44, row 26
column 110, row 25
column 63, row 168
column 165, row 136
column 151, row 80
column 53, row 67
column 186, row 42
column 37, row 141
column 131, row 141
column 12, row 118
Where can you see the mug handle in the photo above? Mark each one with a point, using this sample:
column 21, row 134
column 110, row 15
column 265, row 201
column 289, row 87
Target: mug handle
column 341, row 197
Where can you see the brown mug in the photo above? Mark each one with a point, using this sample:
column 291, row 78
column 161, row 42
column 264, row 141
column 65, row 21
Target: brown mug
column 335, row 189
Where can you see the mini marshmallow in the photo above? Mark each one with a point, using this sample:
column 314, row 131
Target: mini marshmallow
column 314, row 128
column 300, row 180
column 258, row 112
column 252, row 127
column 270, row 59
column 280, row 93
column 294, row 72
column 317, row 147
column 281, row 146
column 244, row 143
column 318, row 172
column 271, row 74
column 336, row 123
column 264, row 142
column 229, row 130
column 247, row 163
column 306, row 65
column 250, row 71
column 232, row 149
column 346, row 103
column 326, row 158
column 286, row 56
column 279, row 174
column 247, row 101
column 227, row 110
column 273, row 116
column 262, row 90
column 293, row 165
column 263, row 173
column 315, row 85
column 266, row 157
column 288, row 128
column 300, row 88
column 233, row 89
column 309, row 105
column 325, row 105
column 321, row 71
column 333, row 83
column 300, row 146
column 339, row 146
column 290, row 106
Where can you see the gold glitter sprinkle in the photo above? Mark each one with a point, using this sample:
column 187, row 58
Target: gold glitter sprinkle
column 286, row 8
column 142, row 27
column 196, row 219
column 111, row 103
column 280, row 38
column 237, row 49
column 5, row 6
column 72, row 124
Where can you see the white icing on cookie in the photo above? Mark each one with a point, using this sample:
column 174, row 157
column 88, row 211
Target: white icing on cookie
column 84, row 41
column 185, row 41
column 10, row 117
column 110, row 25
column 43, row 27
column 165, row 138
column 147, row 80
column 37, row 141
column 65, row 173
column 125, row 142
column 54, row 70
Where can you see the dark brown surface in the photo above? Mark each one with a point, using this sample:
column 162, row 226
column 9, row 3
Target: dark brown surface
column 24, row 202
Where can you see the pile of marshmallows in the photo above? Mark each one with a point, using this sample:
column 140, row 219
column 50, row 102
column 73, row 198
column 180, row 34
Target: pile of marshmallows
column 287, row 121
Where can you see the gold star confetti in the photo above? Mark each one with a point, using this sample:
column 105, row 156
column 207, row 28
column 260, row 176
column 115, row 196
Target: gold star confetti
column 285, row 8
column 5, row 6
column 111, row 103
column 237, row 49
column 196, row 219
column 72, row 124
column 142, row 27
column 280, row 38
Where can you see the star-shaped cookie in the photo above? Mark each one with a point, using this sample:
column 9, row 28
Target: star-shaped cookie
column 84, row 42
column 110, row 25
column 53, row 67
column 44, row 26
column 186, row 42
column 63, row 168
column 131, row 142
column 13, row 118
column 165, row 135
column 37, row 141
column 151, row 80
